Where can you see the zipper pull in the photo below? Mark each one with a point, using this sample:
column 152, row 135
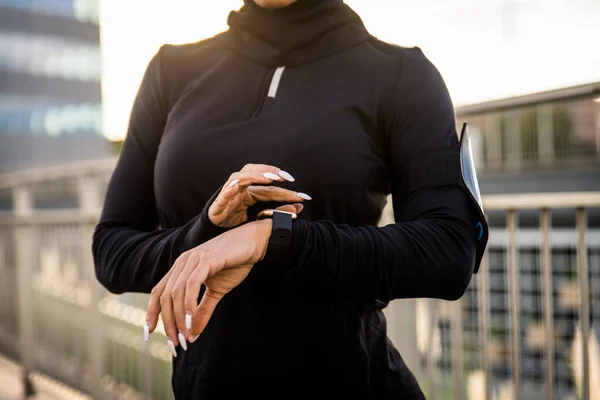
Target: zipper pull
column 275, row 82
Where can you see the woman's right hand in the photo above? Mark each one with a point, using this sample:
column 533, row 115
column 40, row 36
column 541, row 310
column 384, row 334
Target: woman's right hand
column 230, row 208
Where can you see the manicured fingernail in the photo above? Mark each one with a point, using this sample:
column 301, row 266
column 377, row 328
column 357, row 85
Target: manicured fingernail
column 188, row 321
column 286, row 175
column 271, row 176
column 182, row 341
column 303, row 196
column 171, row 347
column 146, row 333
column 233, row 182
column 193, row 338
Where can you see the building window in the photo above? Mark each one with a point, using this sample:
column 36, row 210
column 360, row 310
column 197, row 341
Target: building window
column 86, row 11
column 544, row 135
column 53, row 121
column 48, row 56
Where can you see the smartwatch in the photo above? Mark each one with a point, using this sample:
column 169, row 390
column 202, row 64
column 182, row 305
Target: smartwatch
column 281, row 235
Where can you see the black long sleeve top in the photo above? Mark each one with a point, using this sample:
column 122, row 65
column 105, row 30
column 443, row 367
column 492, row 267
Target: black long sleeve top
column 342, row 115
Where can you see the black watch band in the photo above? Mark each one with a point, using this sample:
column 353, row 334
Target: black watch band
column 281, row 234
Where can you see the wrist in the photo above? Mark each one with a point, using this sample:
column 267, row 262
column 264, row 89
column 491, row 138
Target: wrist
column 264, row 230
column 280, row 234
column 265, row 226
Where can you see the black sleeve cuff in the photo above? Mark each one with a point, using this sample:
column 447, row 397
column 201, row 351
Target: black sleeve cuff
column 204, row 230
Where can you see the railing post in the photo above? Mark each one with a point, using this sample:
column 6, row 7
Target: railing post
column 515, row 300
column 90, row 205
column 431, row 326
column 548, row 295
column 484, row 326
column 401, row 316
column 402, row 330
column 457, row 349
column 584, row 298
column 23, row 208
column 598, row 132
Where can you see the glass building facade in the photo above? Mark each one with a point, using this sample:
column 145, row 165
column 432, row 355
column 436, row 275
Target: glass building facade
column 50, row 93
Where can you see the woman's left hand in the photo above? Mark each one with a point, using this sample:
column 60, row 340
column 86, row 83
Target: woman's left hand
column 220, row 264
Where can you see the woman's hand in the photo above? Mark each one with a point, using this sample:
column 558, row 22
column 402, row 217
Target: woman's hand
column 220, row 264
column 230, row 208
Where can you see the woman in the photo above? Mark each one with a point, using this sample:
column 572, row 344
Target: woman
column 299, row 87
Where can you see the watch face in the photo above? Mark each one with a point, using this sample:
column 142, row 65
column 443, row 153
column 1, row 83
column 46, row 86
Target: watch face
column 286, row 212
column 269, row 214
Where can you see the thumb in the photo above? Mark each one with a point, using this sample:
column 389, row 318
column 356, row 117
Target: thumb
column 295, row 208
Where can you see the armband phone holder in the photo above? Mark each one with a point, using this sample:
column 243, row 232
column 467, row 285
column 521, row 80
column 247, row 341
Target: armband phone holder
column 454, row 167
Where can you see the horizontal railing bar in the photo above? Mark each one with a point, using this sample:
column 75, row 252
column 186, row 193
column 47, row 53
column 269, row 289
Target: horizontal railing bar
column 48, row 217
column 536, row 201
column 501, row 202
column 59, row 172
column 560, row 238
column 44, row 384
column 491, row 202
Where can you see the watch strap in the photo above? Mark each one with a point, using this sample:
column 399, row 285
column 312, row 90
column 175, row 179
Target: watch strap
column 281, row 236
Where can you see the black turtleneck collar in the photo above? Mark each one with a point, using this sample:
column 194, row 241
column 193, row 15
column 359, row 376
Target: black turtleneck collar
column 304, row 31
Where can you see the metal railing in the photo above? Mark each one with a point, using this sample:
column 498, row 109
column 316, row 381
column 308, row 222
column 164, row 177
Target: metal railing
column 56, row 320
column 540, row 357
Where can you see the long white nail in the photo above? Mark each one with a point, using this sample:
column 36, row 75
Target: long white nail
column 146, row 333
column 182, row 341
column 188, row 321
column 233, row 182
column 193, row 338
column 303, row 196
column 271, row 176
column 286, row 175
column 171, row 347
